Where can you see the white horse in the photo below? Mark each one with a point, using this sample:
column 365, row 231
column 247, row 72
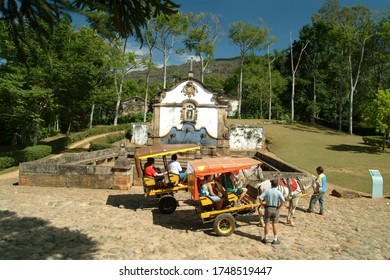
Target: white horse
column 291, row 188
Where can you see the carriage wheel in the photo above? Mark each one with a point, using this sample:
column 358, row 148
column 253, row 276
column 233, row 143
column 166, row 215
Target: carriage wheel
column 167, row 204
column 224, row 224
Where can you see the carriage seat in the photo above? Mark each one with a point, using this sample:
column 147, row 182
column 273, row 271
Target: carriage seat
column 205, row 200
column 174, row 179
column 149, row 183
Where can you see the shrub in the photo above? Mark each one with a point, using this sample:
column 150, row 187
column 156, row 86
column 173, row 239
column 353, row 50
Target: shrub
column 33, row 153
column 375, row 141
column 96, row 145
column 112, row 138
column 7, row 162
column 106, row 142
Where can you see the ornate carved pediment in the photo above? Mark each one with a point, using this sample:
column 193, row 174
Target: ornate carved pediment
column 189, row 89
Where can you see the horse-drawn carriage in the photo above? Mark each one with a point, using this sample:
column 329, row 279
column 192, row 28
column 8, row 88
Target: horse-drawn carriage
column 167, row 202
column 292, row 185
column 223, row 217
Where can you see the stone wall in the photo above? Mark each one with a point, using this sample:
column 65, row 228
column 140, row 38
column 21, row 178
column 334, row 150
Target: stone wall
column 246, row 138
column 105, row 169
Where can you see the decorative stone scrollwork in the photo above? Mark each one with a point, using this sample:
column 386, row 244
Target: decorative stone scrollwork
column 226, row 135
column 189, row 89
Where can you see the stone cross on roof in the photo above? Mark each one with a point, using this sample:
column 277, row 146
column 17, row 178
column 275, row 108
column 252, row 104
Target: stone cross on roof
column 190, row 73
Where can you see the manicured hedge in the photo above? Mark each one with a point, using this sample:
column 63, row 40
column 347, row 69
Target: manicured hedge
column 13, row 158
column 6, row 162
column 375, row 141
column 106, row 142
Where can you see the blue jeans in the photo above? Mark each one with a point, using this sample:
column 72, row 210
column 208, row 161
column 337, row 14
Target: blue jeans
column 182, row 175
column 320, row 197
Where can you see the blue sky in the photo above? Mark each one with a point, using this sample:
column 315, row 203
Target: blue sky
column 280, row 16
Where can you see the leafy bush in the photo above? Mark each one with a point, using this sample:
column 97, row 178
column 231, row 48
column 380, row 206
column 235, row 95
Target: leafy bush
column 375, row 141
column 7, row 162
column 95, row 146
column 106, row 142
column 112, row 138
column 33, row 153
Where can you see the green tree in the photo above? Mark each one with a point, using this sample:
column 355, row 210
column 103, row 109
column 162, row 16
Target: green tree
column 202, row 34
column 247, row 37
column 378, row 114
column 127, row 17
column 166, row 31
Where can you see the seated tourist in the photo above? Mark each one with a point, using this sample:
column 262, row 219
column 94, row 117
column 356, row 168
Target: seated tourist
column 228, row 182
column 207, row 189
column 175, row 167
column 150, row 171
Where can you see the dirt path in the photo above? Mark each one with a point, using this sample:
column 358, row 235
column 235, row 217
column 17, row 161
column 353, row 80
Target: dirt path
column 74, row 223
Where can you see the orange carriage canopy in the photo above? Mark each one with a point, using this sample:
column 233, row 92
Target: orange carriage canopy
column 211, row 166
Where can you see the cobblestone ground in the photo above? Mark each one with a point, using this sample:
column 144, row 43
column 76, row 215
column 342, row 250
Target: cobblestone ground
column 73, row 223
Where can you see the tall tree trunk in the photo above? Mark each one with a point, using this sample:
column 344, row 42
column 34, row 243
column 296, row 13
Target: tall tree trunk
column 341, row 92
column 314, row 99
column 147, row 82
column 201, row 69
column 270, row 88
column 354, row 84
column 165, row 69
column 91, row 116
column 240, row 86
column 36, row 132
column 146, row 94
column 294, row 70
column 118, row 99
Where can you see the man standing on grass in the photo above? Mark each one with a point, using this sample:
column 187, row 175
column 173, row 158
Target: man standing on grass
column 319, row 191
column 273, row 201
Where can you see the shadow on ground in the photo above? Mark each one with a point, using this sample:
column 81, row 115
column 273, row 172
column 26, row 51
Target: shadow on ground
column 181, row 219
column 132, row 201
column 313, row 129
column 31, row 238
column 355, row 148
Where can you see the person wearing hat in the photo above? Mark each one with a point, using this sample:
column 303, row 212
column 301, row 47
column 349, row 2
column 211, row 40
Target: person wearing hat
column 273, row 199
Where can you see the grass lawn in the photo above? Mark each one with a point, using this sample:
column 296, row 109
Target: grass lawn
column 345, row 158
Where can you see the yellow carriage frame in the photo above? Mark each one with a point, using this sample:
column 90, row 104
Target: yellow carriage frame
column 167, row 203
column 223, row 219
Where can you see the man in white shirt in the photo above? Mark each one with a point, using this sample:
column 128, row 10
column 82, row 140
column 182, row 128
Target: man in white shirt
column 175, row 167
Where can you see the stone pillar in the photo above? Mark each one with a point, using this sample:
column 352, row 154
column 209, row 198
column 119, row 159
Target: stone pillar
column 122, row 170
column 223, row 146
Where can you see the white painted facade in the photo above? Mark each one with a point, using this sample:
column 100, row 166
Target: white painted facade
column 203, row 102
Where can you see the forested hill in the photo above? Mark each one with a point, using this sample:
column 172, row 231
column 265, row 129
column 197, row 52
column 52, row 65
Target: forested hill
column 223, row 68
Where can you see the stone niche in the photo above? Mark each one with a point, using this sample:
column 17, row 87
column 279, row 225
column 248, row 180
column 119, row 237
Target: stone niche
column 190, row 114
column 105, row 169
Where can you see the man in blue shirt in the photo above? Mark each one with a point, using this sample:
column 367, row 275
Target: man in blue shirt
column 273, row 201
column 319, row 191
